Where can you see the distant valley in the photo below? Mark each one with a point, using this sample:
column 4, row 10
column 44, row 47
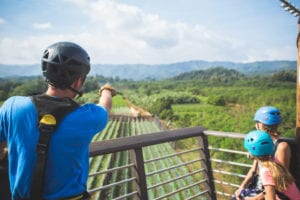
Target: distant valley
column 159, row 71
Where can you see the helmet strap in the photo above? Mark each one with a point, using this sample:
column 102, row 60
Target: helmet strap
column 76, row 91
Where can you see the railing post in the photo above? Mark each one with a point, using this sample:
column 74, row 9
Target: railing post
column 298, row 105
column 205, row 157
column 138, row 171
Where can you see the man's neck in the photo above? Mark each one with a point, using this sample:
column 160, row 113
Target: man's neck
column 56, row 92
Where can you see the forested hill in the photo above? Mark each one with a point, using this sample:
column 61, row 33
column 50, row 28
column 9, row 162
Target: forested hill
column 159, row 71
column 218, row 73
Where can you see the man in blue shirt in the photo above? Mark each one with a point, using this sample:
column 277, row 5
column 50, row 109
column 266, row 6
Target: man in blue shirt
column 65, row 66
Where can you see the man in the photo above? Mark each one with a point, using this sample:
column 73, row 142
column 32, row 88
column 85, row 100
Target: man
column 65, row 66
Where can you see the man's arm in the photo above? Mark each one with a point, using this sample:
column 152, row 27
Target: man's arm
column 105, row 99
column 106, row 93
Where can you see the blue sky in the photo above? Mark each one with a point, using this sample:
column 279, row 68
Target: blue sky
column 149, row 31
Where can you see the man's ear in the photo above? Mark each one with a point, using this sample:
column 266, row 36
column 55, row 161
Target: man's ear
column 82, row 79
column 77, row 84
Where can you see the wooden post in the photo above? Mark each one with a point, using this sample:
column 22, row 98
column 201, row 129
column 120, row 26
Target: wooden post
column 206, row 164
column 136, row 156
column 298, row 104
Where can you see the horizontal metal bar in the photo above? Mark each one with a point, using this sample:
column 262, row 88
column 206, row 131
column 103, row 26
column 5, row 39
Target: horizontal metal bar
column 138, row 141
column 175, row 179
column 224, row 194
column 111, row 170
column 229, row 151
column 224, row 134
column 125, row 196
column 197, row 195
column 226, row 183
column 111, row 185
column 183, row 188
column 228, row 173
column 231, row 163
column 174, row 166
column 171, row 155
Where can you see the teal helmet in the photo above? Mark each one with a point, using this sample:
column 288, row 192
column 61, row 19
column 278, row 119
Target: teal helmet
column 268, row 115
column 259, row 143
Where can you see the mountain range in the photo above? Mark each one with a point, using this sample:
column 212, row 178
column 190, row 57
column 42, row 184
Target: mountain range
column 158, row 71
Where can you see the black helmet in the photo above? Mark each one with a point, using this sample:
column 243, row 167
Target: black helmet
column 63, row 63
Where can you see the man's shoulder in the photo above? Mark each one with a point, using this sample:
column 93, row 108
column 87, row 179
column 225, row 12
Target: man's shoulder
column 90, row 110
column 17, row 101
column 18, row 98
column 94, row 110
column 92, row 106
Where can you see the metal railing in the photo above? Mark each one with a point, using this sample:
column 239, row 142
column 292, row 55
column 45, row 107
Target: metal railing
column 144, row 181
column 198, row 171
column 231, row 166
column 174, row 164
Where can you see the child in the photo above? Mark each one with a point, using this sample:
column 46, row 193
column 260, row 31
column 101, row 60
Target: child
column 275, row 177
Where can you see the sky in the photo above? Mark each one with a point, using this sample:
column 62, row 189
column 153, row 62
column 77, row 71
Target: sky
column 149, row 31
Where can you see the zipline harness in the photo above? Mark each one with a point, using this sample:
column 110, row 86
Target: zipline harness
column 50, row 112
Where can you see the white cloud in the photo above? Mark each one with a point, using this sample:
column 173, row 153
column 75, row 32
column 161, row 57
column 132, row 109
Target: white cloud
column 273, row 53
column 29, row 50
column 14, row 51
column 128, row 34
column 282, row 53
column 120, row 33
column 42, row 25
column 2, row 21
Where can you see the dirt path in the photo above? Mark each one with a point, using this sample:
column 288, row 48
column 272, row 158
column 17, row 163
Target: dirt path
column 136, row 111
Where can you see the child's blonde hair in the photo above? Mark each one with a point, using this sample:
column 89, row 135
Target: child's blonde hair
column 271, row 129
column 280, row 174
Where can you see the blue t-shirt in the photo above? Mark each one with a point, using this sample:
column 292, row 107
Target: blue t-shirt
column 68, row 155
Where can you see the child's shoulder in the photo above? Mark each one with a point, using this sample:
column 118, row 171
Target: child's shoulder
column 282, row 145
column 265, row 170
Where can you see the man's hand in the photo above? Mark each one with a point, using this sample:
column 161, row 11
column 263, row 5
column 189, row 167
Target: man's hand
column 107, row 87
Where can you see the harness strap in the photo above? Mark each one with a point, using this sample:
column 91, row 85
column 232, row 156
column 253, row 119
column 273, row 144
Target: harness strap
column 50, row 112
column 253, row 180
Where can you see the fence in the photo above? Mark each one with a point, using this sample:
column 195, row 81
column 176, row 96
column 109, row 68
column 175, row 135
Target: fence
column 144, row 164
column 144, row 178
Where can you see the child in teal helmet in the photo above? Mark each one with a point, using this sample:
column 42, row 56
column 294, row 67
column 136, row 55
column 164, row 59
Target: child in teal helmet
column 276, row 178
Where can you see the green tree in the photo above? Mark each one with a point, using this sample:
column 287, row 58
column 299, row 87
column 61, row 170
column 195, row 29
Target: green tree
column 216, row 100
column 31, row 87
column 288, row 75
